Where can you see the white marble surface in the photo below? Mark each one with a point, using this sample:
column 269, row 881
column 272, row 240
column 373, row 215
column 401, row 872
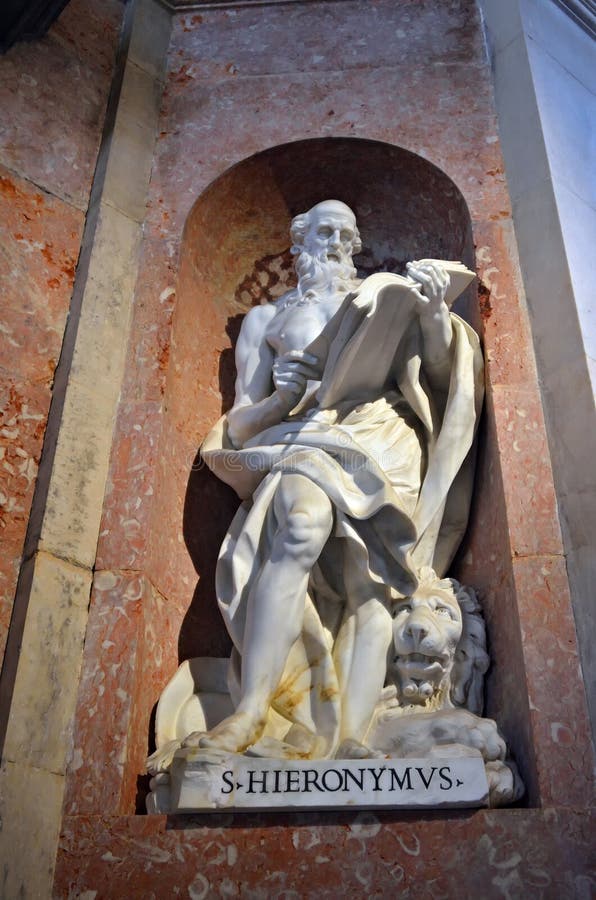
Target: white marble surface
column 205, row 781
column 356, row 405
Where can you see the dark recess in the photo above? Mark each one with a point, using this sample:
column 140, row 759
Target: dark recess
column 26, row 20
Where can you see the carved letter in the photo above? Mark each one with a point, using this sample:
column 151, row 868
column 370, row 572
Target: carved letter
column 377, row 777
column 445, row 777
column 332, row 772
column 227, row 777
column 395, row 779
column 358, row 782
column 293, row 781
column 423, row 779
column 252, row 779
column 311, row 775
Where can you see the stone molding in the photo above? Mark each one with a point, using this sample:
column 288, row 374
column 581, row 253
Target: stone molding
column 64, row 527
column 568, row 402
column 176, row 6
column 581, row 11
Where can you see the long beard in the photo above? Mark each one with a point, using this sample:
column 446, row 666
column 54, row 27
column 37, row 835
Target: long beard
column 324, row 275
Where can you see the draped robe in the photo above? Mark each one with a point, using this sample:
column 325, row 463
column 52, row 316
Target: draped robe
column 393, row 450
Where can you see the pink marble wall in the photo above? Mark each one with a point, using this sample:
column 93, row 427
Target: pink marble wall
column 414, row 75
column 490, row 854
column 53, row 97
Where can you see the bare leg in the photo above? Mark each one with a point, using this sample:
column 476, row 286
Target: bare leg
column 363, row 674
column 276, row 607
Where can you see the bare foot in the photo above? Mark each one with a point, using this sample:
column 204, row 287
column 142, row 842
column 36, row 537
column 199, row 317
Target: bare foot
column 351, row 749
column 234, row 734
column 193, row 739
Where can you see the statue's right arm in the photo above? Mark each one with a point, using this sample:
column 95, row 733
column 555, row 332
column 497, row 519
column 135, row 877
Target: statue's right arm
column 255, row 406
column 267, row 387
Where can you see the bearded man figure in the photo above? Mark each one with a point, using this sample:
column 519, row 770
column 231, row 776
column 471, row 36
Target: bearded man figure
column 351, row 443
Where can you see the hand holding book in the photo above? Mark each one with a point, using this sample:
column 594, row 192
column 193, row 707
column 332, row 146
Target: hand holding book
column 441, row 280
column 430, row 280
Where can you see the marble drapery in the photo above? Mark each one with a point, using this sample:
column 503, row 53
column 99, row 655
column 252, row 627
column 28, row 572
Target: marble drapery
column 392, row 446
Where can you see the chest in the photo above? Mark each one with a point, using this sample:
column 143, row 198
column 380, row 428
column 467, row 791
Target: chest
column 295, row 327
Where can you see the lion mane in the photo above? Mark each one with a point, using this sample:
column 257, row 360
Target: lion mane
column 470, row 658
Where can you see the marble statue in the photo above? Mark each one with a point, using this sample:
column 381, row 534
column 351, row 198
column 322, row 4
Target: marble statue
column 351, row 443
column 433, row 700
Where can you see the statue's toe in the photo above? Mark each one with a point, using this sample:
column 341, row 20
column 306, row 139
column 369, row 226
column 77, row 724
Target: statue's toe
column 352, row 749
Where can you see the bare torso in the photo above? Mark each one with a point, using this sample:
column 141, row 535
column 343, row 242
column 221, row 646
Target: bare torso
column 295, row 327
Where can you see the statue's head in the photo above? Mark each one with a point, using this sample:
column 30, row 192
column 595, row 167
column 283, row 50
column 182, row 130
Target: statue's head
column 326, row 226
column 439, row 654
column 324, row 240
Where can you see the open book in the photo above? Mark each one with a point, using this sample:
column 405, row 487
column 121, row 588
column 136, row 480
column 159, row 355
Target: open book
column 358, row 344
column 460, row 277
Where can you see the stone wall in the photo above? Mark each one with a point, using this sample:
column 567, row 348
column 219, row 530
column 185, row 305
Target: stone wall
column 545, row 87
column 53, row 95
column 240, row 98
column 239, row 82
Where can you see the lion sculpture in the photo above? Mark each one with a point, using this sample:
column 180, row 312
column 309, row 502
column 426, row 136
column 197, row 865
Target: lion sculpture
column 430, row 707
column 433, row 702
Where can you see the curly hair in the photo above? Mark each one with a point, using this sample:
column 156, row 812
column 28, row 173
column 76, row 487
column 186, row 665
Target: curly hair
column 301, row 223
column 471, row 659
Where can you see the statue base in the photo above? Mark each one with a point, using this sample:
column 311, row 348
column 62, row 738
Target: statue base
column 210, row 781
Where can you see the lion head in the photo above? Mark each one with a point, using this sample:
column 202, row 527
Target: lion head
column 439, row 646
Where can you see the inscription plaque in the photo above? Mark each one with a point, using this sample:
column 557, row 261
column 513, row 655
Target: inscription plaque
column 240, row 782
column 350, row 442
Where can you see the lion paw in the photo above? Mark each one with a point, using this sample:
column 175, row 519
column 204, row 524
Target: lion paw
column 504, row 783
column 484, row 736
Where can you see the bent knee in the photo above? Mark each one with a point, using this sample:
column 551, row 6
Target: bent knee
column 297, row 498
column 305, row 515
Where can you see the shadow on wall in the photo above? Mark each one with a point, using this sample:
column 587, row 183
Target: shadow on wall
column 235, row 254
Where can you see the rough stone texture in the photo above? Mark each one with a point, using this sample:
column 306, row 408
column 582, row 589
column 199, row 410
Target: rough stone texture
column 117, row 695
column 71, row 519
column 152, row 317
column 529, row 493
column 54, row 614
column 111, row 642
column 40, row 246
column 72, row 515
column 560, row 727
column 150, row 38
column 129, row 490
column 39, row 241
column 412, row 74
column 23, row 413
column 50, row 133
column 100, row 350
column 130, row 161
column 543, row 63
column 221, row 104
column 49, row 139
column 490, row 854
column 299, row 55
column 49, row 665
column 160, row 628
column 22, row 788
column 506, row 329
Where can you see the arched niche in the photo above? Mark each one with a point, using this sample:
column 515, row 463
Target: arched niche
column 235, row 253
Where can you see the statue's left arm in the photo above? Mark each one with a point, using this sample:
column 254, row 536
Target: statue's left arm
column 435, row 321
